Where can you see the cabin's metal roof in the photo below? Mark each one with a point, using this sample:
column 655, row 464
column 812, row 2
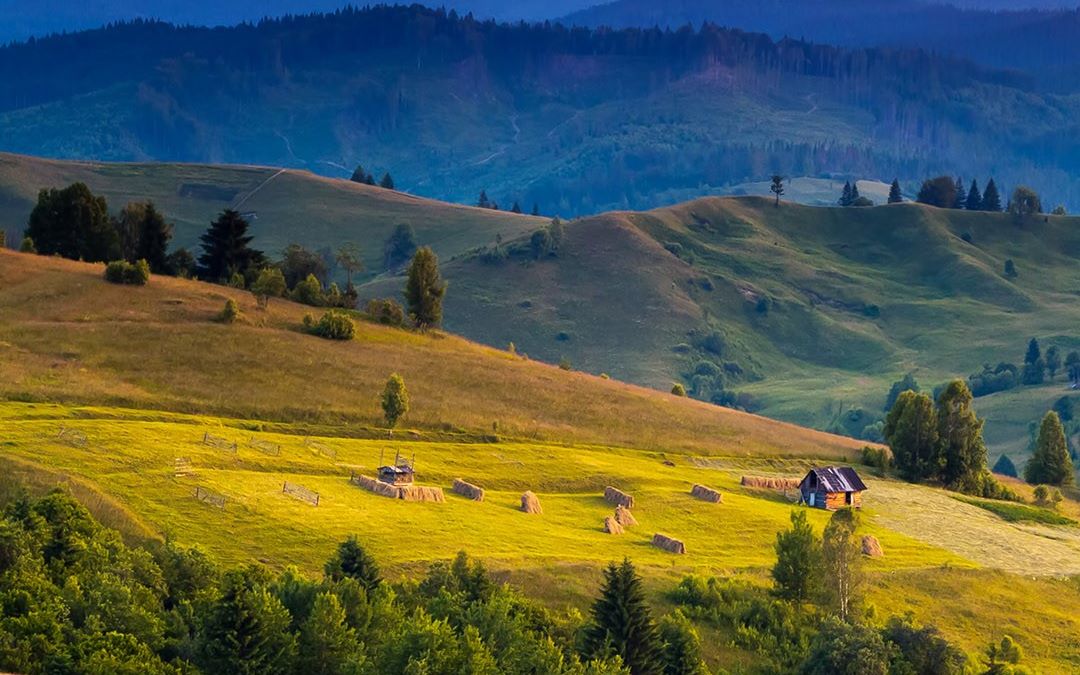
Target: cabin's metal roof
column 395, row 469
column 837, row 479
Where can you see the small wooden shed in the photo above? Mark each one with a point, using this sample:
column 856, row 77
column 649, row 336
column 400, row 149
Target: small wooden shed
column 832, row 487
column 401, row 472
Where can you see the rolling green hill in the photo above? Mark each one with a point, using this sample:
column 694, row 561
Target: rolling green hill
column 285, row 206
column 812, row 311
column 105, row 386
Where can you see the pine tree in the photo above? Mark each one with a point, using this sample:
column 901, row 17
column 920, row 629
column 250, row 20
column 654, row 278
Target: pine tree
column 1034, row 367
column 842, row 556
column 960, row 198
column 622, row 624
column 359, row 175
column 387, row 181
column 991, row 199
column 1053, row 361
column 797, row 572
column 483, row 201
column 845, row 196
column 854, row 192
column 1051, row 464
column 399, row 246
column 395, row 400
column 1005, row 467
column 425, row 289
column 516, row 208
column 682, row 646
column 895, row 197
column 327, row 643
column 777, row 188
column 246, row 631
column 960, row 436
column 351, row 561
column 911, row 430
column 226, row 249
column 974, row 198
column 536, row 209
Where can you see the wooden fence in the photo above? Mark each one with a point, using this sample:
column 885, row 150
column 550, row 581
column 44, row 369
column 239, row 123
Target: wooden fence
column 300, row 492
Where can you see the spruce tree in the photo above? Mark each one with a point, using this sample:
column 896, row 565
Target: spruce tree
column 960, row 436
column 1005, row 467
column 351, row 561
column 1034, row 367
column 425, row 289
column 797, row 572
column 960, row 199
column 622, row 623
column 359, row 175
column 1072, row 366
column 991, row 199
column 483, row 201
column 516, row 208
column 854, row 192
column 911, row 430
column 226, row 249
column 536, row 209
column 1053, row 361
column 387, row 181
column 327, row 644
column 895, row 196
column 845, row 195
column 1051, row 464
column 246, row 631
column 399, row 246
column 974, row 198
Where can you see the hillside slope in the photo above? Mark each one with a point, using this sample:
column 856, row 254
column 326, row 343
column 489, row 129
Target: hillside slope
column 284, row 205
column 69, row 336
column 810, row 310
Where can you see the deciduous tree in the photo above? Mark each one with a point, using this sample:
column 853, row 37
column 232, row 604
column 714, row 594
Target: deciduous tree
column 911, row 430
column 73, row 223
column 842, row 564
column 798, row 569
column 395, row 400
column 425, row 290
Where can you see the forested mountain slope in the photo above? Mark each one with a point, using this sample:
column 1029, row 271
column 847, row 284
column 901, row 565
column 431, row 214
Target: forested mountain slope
column 576, row 121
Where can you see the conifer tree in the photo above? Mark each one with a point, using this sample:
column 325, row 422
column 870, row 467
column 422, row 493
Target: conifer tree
column 516, row 207
column 1051, row 464
column 327, row 644
column 1034, row 367
column 974, row 198
column 1053, row 361
column 247, row 631
column 622, row 623
column 777, row 187
column 359, row 175
column 483, row 201
column 536, row 209
column 425, row 289
column 960, row 436
column 387, row 181
column 1072, row 366
column 845, row 195
column 399, row 246
column 797, row 572
column 895, row 197
column 961, row 194
column 351, row 561
column 842, row 558
column 991, row 199
column 226, row 249
column 854, row 192
column 1005, row 467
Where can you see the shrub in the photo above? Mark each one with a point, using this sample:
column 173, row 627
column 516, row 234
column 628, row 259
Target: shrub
column 27, row 245
column 678, row 389
column 123, row 272
column 563, row 336
column 387, row 312
column 309, row 292
column 1047, row 496
column 332, row 325
column 878, row 458
column 565, row 364
column 231, row 312
column 237, row 280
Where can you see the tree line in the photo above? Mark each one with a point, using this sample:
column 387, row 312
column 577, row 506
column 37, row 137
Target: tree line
column 75, row 598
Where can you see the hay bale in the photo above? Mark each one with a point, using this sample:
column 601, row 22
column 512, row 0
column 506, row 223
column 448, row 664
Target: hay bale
column 469, row 490
column 612, row 526
column 377, row 486
column 871, row 547
column 616, row 496
column 770, row 482
column 707, row 494
column 624, row 517
column 421, row 493
column 668, row 544
column 530, row 503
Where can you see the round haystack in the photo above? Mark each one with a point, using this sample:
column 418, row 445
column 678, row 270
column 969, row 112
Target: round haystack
column 530, row 503
column 624, row 517
column 612, row 526
column 872, row 547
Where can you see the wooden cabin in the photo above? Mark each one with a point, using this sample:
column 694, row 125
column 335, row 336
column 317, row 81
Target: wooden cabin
column 832, row 488
column 401, row 472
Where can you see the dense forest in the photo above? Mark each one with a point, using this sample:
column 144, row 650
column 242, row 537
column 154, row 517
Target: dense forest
column 574, row 119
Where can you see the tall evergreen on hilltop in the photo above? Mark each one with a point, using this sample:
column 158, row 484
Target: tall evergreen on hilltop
column 895, row 197
column 991, row 199
column 1034, row 371
column 974, row 197
column 846, row 195
column 226, row 249
column 961, row 194
column 622, row 623
column 1051, row 464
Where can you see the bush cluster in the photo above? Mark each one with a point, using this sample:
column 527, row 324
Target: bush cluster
column 123, row 272
column 333, row 325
